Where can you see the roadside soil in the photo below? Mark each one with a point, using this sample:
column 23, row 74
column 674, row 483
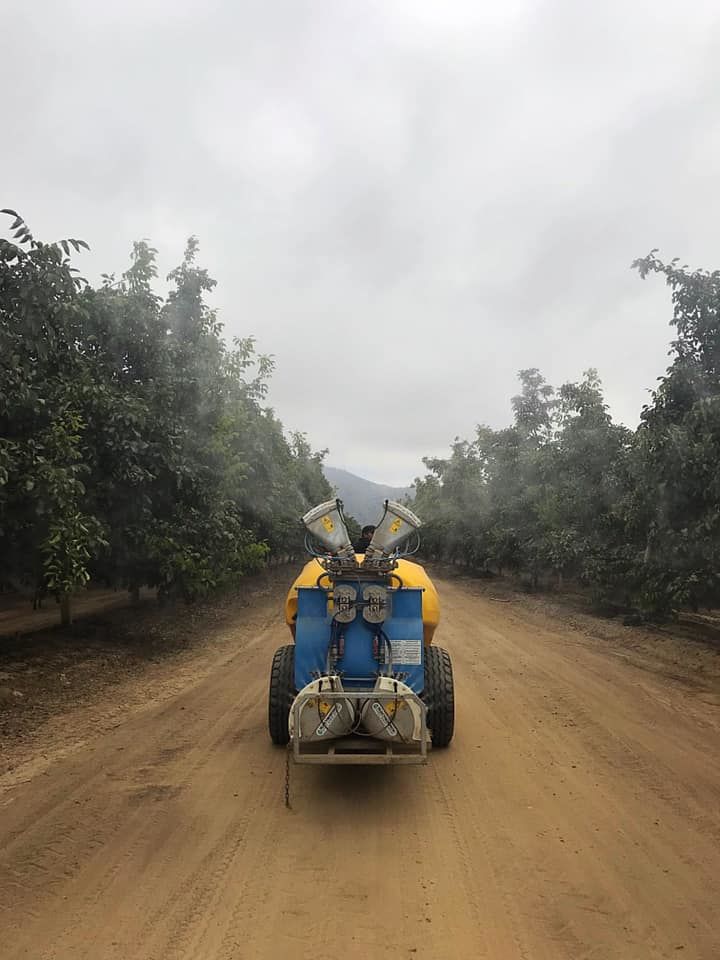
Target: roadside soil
column 17, row 616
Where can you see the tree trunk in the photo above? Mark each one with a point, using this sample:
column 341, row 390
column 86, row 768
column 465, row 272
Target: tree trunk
column 65, row 610
column 647, row 555
column 135, row 594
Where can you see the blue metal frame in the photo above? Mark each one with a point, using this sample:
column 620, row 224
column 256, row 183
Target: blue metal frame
column 358, row 666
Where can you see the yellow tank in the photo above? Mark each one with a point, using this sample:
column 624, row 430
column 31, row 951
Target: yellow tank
column 411, row 574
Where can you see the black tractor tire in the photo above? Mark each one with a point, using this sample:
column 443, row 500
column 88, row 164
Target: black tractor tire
column 439, row 695
column 282, row 694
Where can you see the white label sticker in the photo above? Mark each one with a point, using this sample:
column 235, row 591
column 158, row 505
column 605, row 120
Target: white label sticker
column 383, row 717
column 406, row 652
column 327, row 722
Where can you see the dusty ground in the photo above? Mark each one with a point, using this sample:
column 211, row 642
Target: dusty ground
column 576, row 815
column 18, row 617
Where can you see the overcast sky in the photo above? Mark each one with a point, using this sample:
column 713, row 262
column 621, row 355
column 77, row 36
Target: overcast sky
column 405, row 201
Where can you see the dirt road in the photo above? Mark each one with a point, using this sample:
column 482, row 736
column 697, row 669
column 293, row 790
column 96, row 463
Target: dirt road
column 576, row 815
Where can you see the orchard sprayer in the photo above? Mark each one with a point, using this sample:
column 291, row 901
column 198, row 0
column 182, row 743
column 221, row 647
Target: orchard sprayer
column 362, row 682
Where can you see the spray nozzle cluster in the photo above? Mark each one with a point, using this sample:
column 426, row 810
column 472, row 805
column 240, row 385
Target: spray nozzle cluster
column 326, row 524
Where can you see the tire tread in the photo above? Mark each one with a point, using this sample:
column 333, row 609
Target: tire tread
column 439, row 695
column 282, row 693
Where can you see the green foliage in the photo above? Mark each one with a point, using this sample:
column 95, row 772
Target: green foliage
column 678, row 450
column 353, row 528
column 535, row 498
column 135, row 447
column 566, row 492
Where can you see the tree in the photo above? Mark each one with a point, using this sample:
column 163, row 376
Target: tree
column 47, row 535
column 678, row 446
column 135, row 444
column 565, row 490
column 537, row 497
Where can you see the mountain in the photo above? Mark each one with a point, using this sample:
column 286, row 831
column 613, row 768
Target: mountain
column 362, row 498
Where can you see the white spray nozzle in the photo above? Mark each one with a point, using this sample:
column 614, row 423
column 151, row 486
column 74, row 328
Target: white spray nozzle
column 397, row 524
column 325, row 522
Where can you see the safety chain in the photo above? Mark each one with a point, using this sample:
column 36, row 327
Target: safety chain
column 287, row 776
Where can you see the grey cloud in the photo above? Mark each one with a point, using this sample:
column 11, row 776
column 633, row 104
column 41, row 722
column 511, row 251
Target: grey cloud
column 405, row 201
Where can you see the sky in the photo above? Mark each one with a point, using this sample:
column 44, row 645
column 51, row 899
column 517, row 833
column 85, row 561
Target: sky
column 404, row 201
